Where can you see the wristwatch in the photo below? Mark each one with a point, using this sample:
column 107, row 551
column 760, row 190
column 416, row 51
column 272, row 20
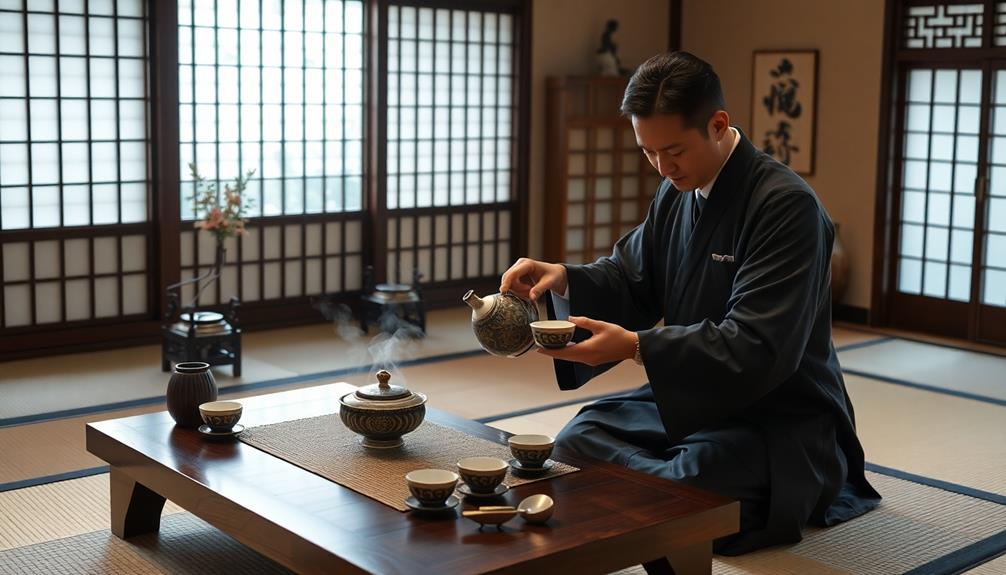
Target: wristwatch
column 638, row 358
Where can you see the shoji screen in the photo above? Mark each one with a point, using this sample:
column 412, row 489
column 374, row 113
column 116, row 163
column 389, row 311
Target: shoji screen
column 73, row 161
column 276, row 86
column 451, row 153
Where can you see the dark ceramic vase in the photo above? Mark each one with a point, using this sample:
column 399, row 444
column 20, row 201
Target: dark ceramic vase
column 191, row 385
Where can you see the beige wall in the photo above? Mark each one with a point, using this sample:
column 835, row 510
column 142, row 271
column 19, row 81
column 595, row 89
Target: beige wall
column 566, row 33
column 849, row 38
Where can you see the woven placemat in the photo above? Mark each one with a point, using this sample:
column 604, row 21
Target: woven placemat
column 325, row 446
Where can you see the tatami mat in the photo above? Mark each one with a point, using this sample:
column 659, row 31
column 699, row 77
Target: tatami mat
column 915, row 525
column 933, row 365
column 944, row 437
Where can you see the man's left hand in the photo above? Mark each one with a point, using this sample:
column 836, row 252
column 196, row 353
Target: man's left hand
column 608, row 343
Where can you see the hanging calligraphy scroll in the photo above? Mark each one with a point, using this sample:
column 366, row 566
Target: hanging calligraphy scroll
column 784, row 107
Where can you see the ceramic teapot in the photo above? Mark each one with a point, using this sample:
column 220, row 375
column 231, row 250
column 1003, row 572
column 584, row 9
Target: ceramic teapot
column 502, row 322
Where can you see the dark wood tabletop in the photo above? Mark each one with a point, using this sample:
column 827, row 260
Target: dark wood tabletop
column 606, row 517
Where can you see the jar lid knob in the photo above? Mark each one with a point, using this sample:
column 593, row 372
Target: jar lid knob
column 383, row 377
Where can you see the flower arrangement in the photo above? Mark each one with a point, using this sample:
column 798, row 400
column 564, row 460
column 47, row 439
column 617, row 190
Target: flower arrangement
column 222, row 219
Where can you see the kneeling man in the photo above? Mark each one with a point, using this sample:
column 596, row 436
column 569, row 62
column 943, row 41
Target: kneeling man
column 745, row 395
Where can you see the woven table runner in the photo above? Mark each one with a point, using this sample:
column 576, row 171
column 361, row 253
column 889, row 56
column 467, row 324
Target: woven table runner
column 323, row 445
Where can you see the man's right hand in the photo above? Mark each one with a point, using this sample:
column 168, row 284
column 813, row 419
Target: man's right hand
column 531, row 278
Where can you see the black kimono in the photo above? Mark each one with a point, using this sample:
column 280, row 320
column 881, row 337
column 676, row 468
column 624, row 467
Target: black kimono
column 746, row 396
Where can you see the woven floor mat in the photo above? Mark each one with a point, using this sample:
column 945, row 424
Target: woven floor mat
column 323, row 445
column 185, row 544
column 915, row 525
column 937, row 366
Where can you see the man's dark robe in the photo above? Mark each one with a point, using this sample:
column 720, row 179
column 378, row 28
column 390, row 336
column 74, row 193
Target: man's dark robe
column 743, row 374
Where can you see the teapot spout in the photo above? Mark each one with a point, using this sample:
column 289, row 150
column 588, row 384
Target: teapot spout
column 473, row 301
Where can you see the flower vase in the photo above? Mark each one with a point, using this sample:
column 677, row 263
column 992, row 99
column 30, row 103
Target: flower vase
column 191, row 385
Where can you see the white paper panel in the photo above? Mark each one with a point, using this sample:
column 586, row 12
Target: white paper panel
column 250, row 282
column 354, row 272
column 46, row 259
column 17, row 305
column 47, row 302
column 106, row 256
column 75, row 257
column 934, row 279
column 134, row 253
column 292, row 271
column 457, row 262
column 472, row 261
column 16, row 262
column 106, row 301
column 45, row 208
column 134, row 294
column 314, row 279
column 13, row 120
column 333, row 274
column 78, row 300
column 271, row 274
column 76, row 202
column 354, row 236
column 12, row 76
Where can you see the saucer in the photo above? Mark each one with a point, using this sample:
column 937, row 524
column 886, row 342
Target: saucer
column 233, row 432
column 500, row 490
column 415, row 505
column 516, row 465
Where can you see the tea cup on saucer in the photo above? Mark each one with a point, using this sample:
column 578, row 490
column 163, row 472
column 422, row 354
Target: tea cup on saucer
column 531, row 450
column 431, row 487
column 221, row 416
column 482, row 475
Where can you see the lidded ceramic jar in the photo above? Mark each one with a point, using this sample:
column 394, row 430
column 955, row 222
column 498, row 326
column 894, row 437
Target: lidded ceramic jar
column 382, row 412
column 502, row 322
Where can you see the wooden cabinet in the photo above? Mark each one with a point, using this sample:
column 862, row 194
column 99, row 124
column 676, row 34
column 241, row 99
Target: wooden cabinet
column 598, row 184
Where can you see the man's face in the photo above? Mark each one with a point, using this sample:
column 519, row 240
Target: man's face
column 682, row 155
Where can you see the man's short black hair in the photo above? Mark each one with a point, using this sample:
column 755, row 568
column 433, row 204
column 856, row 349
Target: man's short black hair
column 674, row 83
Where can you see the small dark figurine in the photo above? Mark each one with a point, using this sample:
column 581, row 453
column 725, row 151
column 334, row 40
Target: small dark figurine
column 607, row 55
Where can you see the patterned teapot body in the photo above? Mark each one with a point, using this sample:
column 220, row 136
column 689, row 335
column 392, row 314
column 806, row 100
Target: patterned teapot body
column 502, row 322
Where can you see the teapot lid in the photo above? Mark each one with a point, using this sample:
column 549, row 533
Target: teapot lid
column 382, row 391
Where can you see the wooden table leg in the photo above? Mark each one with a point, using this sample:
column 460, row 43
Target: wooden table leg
column 694, row 560
column 135, row 508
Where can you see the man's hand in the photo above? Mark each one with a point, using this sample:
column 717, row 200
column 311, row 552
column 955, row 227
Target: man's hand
column 531, row 278
column 608, row 343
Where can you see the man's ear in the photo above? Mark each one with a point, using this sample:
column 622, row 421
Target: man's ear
column 718, row 125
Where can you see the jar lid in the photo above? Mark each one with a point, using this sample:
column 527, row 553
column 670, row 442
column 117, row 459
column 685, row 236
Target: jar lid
column 382, row 391
column 383, row 395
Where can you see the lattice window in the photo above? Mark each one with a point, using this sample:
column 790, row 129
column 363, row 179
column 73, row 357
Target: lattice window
column 943, row 116
column 999, row 32
column 451, row 110
column 280, row 261
column 73, row 114
column 73, row 154
column 275, row 86
column 994, row 266
column 609, row 185
column 76, row 278
column 943, row 26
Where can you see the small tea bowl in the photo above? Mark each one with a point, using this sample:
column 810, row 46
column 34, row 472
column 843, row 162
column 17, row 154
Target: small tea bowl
column 482, row 474
column 552, row 333
column 531, row 450
column 221, row 415
column 431, row 487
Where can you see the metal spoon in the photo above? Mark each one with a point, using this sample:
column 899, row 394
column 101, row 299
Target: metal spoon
column 534, row 509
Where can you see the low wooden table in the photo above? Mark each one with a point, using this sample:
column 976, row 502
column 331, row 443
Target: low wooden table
column 606, row 517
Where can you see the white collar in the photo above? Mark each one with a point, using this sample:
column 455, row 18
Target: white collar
column 704, row 190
